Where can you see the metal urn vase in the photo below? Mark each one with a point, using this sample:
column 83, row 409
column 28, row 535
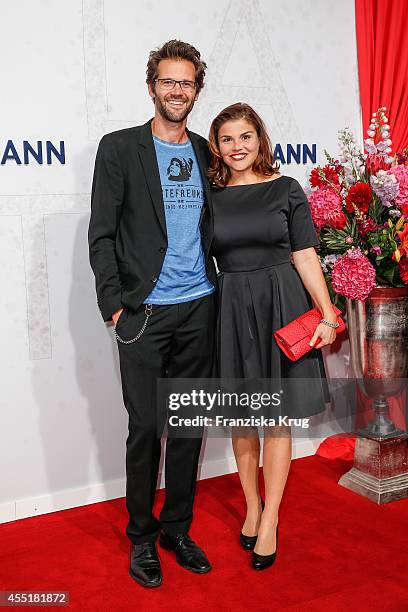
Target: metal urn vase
column 378, row 333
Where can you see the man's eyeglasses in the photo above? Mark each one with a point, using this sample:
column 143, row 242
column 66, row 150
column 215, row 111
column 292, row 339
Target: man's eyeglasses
column 169, row 84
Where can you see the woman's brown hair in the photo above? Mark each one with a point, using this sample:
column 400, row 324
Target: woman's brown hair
column 264, row 165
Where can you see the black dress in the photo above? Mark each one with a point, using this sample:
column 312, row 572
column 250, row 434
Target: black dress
column 256, row 227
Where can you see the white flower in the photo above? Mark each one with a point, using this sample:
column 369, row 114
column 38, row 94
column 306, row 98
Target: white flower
column 394, row 212
column 370, row 146
column 328, row 261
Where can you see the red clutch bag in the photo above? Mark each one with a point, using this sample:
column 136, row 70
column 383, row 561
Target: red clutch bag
column 294, row 337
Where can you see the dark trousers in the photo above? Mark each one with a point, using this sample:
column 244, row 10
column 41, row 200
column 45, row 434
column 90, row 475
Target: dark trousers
column 178, row 342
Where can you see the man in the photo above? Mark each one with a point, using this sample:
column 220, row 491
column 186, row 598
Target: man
column 149, row 239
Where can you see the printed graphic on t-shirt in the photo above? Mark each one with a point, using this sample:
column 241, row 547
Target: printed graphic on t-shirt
column 189, row 196
column 183, row 275
column 180, row 169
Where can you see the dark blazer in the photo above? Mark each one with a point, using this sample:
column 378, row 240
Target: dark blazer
column 127, row 231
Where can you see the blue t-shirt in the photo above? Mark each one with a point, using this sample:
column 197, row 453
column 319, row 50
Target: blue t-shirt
column 183, row 276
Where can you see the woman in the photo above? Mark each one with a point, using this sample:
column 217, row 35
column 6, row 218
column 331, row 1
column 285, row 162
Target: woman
column 269, row 271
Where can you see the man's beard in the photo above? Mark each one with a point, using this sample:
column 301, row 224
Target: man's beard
column 175, row 117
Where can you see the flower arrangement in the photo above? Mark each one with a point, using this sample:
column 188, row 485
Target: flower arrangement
column 359, row 206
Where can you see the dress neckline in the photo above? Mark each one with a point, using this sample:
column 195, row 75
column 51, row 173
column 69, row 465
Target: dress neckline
column 252, row 184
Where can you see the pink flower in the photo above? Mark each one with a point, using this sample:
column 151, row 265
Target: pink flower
column 353, row 275
column 325, row 205
column 401, row 173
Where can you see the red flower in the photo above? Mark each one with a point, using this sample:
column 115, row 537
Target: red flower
column 403, row 236
column 361, row 195
column 403, row 269
column 367, row 225
column 402, row 157
column 330, row 174
column 337, row 219
column 375, row 162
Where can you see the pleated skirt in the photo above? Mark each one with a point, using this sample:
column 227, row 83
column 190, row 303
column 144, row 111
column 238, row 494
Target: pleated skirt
column 252, row 305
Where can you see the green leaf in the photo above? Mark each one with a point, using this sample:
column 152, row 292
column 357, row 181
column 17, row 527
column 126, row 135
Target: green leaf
column 376, row 209
column 388, row 274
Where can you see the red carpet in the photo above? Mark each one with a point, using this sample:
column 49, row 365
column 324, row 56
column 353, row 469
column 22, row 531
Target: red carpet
column 336, row 550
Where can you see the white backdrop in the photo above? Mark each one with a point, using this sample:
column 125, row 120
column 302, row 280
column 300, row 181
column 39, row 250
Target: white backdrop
column 71, row 71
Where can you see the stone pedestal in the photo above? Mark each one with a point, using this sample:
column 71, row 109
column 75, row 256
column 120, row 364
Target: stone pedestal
column 380, row 470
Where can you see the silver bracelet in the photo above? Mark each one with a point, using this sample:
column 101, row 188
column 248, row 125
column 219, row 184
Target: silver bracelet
column 333, row 325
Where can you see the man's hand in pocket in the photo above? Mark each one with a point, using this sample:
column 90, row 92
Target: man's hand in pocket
column 116, row 316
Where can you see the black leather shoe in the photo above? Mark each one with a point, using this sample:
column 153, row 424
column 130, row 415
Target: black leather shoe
column 188, row 554
column 261, row 562
column 145, row 564
column 248, row 542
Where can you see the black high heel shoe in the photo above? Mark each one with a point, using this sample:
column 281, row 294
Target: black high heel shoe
column 248, row 542
column 261, row 562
